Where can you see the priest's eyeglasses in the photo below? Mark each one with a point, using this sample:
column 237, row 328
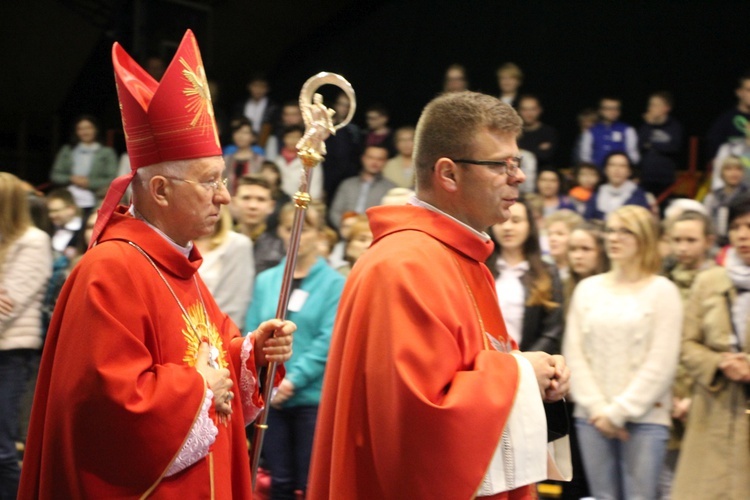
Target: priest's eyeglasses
column 511, row 166
column 210, row 185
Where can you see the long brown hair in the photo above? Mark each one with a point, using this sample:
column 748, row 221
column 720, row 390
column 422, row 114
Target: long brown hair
column 540, row 281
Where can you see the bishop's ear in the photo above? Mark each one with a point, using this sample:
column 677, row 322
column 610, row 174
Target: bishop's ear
column 159, row 189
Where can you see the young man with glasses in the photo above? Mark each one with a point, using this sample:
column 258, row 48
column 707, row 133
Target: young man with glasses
column 145, row 386
column 425, row 394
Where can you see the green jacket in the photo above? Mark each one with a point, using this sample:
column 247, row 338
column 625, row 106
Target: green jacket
column 103, row 169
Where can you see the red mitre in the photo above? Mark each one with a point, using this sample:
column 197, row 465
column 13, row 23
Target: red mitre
column 163, row 121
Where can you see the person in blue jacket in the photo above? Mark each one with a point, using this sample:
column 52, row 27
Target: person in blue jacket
column 619, row 190
column 313, row 304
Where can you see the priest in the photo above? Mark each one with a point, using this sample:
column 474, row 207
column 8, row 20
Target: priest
column 145, row 386
column 425, row 394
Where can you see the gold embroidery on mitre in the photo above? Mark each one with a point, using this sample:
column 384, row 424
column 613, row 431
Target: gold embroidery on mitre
column 205, row 329
column 199, row 97
column 122, row 115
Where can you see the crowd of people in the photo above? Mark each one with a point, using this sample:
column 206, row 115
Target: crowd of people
column 648, row 303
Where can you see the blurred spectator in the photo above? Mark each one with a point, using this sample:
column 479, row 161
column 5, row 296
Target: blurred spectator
column 357, row 242
column 587, row 256
column 716, row 354
column 691, row 239
column 622, row 342
column 85, row 166
column 313, row 302
column 549, row 187
column 244, row 159
column 660, row 142
column 328, row 240
column 732, row 175
column 366, row 190
column 342, row 160
column 738, row 147
column 38, row 209
column 619, row 190
column 228, row 269
column 400, row 168
column 291, row 169
column 537, row 137
column 509, row 80
column 258, row 108
column 529, row 291
column 586, row 119
column 25, row 267
column 336, row 258
column 587, row 177
column 455, row 79
column 378, row 132
column 253, row 205
column 609, row 135
column 732, row 123
column 291, row 116
column 559, row 225
column 66, row 222
column 272, row 173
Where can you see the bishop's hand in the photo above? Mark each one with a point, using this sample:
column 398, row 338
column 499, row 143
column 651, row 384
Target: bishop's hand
column 218, row 380
column 273, row 341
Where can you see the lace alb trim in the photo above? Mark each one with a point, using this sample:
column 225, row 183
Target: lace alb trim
column 202, row 436
column 251, row 406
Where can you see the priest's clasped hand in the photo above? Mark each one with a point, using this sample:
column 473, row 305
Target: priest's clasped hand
column 273, row 341
column 559, row 384
column 218, row 380
column 552, row 374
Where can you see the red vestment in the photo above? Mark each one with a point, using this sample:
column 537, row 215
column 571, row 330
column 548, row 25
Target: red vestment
column 118, row 394
column 414, row 403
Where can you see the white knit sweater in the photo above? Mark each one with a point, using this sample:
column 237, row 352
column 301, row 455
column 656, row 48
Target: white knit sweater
column 25, row 274
column 622, row 348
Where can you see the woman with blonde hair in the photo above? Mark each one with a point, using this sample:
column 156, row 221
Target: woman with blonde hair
column 25, row 267
column 622, row 343
column 228, row 268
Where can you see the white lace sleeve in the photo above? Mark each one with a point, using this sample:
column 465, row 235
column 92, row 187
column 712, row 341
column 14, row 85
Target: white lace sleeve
column 251, row 403
column 202, row 436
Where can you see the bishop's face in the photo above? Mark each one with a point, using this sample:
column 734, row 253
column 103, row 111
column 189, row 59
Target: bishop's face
column 195, row 199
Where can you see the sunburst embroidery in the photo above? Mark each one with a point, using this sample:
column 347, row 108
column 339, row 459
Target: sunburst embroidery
column 199, row 98
column 206, row 329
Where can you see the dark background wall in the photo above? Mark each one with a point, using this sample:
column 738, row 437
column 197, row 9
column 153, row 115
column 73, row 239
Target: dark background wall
column 56, row 55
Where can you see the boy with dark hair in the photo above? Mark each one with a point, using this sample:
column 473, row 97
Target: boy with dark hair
column 609, row 135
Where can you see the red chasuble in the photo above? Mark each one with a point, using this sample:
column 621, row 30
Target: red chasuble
column 118, row 393
column 414, row 402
